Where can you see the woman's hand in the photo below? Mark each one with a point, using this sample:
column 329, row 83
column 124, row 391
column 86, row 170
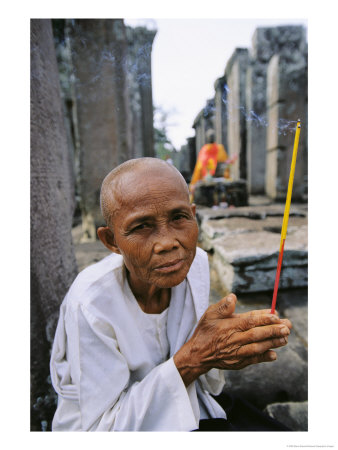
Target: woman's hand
column 225, row 340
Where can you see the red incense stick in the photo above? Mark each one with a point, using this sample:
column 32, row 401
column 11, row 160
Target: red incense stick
column 286, row 217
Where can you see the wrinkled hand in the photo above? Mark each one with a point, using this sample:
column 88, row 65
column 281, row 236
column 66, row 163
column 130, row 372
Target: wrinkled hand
column 225, row 340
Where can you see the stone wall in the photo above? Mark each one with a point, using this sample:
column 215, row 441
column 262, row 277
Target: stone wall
column 53, row 265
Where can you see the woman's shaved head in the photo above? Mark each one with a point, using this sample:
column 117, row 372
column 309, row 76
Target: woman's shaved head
column 112, row 186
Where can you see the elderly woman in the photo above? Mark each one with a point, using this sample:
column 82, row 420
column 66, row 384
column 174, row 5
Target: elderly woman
column 137, row 347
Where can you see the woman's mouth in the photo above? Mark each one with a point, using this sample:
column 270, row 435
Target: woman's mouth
column 171, row 266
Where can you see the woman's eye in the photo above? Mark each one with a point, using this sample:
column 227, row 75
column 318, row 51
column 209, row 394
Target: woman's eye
column 141, row 226
column 179, row 217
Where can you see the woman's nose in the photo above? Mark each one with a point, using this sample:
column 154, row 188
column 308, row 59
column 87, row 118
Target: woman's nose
column 165, row 241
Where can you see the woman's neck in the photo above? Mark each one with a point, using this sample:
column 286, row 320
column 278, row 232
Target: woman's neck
column 151, row 299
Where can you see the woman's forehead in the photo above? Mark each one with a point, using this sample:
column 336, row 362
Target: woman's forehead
column 139, row 188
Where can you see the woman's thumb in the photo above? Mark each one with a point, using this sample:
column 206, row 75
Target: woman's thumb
column 227, row 305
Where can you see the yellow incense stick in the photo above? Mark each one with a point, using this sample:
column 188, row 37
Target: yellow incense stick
column 286, row 216
column 291, row 177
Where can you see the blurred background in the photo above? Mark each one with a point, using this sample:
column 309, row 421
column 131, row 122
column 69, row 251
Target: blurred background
column 107, row 90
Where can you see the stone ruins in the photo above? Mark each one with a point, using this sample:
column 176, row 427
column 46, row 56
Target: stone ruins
column 257, row 102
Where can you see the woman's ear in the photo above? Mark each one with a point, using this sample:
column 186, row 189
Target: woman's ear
column 106, row 236
column 193, row 209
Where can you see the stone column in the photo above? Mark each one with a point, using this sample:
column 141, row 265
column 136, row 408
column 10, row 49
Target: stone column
column 199, row 126
column 287, row 101
column 53, row 265
column 256, row 114
column 140, row 42
column 205, row 120
column 221, row 111
column 265, row 43
column 99, row 51
column 235, row 73
column 191, row 142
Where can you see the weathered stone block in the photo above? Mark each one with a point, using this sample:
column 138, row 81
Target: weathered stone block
column 280, row 381
column 245, row 243
column 247, row 262
column 293, row 415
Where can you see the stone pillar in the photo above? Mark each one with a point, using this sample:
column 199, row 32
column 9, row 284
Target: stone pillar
column 191, row 142
column 199, row 126
column 287, row 101
column 205, row 120
column 265, row 43
column 99, row 51
column 140, row 42
column 256, row 114
column 53, row 264
column 181, row 161
column 235, row 73
column 221, row 111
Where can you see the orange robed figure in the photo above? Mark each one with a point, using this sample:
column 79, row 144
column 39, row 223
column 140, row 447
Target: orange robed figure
column 208, row 157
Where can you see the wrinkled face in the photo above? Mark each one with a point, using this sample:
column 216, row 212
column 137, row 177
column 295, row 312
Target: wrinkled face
column 155, row 228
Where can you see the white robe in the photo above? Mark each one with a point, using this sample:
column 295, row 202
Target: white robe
column 106, row 368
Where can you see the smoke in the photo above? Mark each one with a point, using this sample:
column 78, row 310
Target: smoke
column 138, row 64
column 131, row 64
column 234, row 112
column 209, row 109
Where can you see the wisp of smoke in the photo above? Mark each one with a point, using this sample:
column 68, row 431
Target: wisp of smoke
column 284, row 126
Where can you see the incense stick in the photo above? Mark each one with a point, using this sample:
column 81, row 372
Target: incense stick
column 286, row 217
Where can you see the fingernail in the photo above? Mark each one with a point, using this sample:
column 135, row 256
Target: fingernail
column 285, row 331
column 273, row 356
column 274, row 318
column 283, row 340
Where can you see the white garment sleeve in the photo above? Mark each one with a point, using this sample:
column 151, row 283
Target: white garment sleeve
column 213, row 381
column 108, row 399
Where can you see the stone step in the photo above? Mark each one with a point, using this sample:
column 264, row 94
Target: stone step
column 245, row 249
